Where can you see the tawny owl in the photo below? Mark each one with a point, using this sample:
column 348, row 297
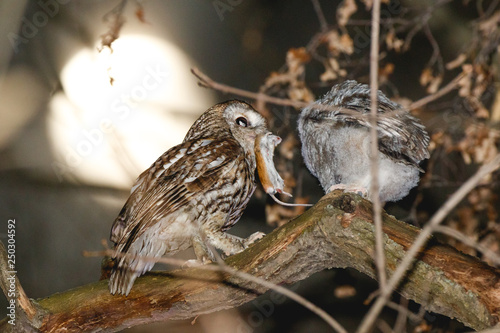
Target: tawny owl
column 191, row 194
column 336, row 143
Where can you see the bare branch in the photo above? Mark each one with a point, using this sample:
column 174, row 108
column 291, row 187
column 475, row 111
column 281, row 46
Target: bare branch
column 423, row 237
column 494, row 257
column 222, row 267
column 441, row 92
column 321, row 17
column 374, row 186
column 115, row 21
column 337, row 232
column 207, row 82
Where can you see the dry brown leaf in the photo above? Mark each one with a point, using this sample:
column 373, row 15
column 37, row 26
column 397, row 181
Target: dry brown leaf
column 273, row 217
column 436, row 140
column 289, row 179
column 345, row 11
column 338, row 44
column 276, row 78
column 482, row 112
column 139, row 13
column 434, row 84
column 299, row 92
column 487, row 149
column 493, row 244
column 368, row 4
column 465, row 83
column 422, row 327
column 295, row 60
column 479, row 144
column 426, row 76
column 344, row 291
column 392, row 42
column 385, row 72
column 347, row 44
column 493, row 214
column 332, row 70
column 427, row 79
column 115, row 22
column 300, row 54
column 458, row 61
column 490, row 25
column 277, row 215
column 328, row 75
column 287, row 146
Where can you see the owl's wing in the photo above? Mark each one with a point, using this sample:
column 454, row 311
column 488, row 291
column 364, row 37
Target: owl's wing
column 401, row 136
column 179, row 175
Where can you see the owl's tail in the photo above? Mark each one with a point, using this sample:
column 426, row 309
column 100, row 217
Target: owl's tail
column 123, row 276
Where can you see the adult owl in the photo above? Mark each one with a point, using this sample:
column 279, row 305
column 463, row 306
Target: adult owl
column 192, row 194
column 336, row 142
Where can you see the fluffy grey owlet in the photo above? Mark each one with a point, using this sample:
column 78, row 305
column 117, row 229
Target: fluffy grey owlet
column 336, row 143
column 190, row 195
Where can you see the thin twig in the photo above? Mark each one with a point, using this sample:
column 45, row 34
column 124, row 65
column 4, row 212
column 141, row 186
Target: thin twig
column 441, row 92
column 222, row 267
column 400, row 324
column 493, row 5
column 494, row 257
column 436, row 51
column 374, row 186
column 207, row 82
column 321, row 16
column 404, row 310
column 419, row 22
column 383, row 326
column 422, row 239
column 115, row 21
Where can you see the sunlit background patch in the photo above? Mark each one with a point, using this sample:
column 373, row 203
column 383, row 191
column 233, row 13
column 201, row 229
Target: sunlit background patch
column 120, row 109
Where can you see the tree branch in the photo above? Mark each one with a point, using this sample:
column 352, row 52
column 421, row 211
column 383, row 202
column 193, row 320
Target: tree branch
column 337, row 232
column 423, row 238
column 374, row 149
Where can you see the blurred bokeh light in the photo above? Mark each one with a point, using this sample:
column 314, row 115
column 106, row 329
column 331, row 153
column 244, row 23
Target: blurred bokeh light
column 121, row 108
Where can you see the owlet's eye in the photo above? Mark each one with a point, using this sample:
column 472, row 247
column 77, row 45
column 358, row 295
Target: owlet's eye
column 241, row 121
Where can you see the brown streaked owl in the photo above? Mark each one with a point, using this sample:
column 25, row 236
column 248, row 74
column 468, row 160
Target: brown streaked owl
column 192, row 194
column 336, row 143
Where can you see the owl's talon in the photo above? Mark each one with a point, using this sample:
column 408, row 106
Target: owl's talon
column 192, row 263
column 253, row 238
column 359, row 190
column 337, row 187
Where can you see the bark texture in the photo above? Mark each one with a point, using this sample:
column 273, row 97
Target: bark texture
column 337, row 232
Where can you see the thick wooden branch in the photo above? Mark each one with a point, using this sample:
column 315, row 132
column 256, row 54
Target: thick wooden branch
column 337, row 232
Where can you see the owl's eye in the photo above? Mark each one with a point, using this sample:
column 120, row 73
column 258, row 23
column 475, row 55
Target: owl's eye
column 241, row 121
